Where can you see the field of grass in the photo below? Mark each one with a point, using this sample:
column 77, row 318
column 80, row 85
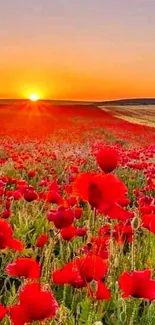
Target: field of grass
column 77, row 217
column 139, row 114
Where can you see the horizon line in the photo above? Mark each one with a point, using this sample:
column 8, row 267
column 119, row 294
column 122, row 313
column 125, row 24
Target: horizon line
column 80, row 100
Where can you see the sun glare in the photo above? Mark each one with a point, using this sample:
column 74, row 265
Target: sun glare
column 34, row 97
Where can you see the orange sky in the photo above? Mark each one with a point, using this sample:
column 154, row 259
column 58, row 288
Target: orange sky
column 81, row 50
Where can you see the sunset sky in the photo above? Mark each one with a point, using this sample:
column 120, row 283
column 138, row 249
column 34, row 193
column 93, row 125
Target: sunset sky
column 77, row 49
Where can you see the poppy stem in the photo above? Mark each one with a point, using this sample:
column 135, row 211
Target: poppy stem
column 94, row 218
column 133, row 255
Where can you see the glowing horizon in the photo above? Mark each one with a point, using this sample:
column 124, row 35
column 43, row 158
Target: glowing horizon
column 34, row 97
column 81, row 50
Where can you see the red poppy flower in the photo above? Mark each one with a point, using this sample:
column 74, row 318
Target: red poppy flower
column 97, row 246
column 148, row 222
column 42, row 240
column 68, row 189
column 105, row 231
column 81, row 231
column 102, row 191
column 107, row 159
column 43, row 183
column 54, row 197
column 53, row 186
column 24, row 267
column 30, row 195
column 6, row 214
column 17, row 195
column 117, row 212
column 147, row 209
column 123, row 232
column 101, row 292
column 35, row 304
column 66, row 275
column 74, row 169
column 137, row 284
column 68, row 233
column 72, row 201
column 80, row 271
column 71, row 178
column 21, row 182
column 61, row 217
column 124, row 202
column 32, row 173
column 78, row 213
column 79, row 282
column 18, row 315
column 6, row 237
column 3, row 312
column 69, row 274
column 8, row 193
column 2, row 191
column 92, row 267
column 8, row 204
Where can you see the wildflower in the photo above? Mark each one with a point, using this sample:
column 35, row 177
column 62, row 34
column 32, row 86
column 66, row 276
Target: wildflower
column 81, row 231
column 3, row 312
column 24, row 267
column 61, row 217
column 101, row 292
column 35, row 304
column 148, row 222
column 68, row 233
column 137, row 284
column 42, row 240
column 107, row 159
column 6, row 237
column 54, row 197
column 102, row 191
column 30, row 194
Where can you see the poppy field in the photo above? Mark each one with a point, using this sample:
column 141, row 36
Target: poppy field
column 77, row 217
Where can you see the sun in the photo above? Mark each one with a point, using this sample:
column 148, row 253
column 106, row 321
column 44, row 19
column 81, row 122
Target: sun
column 34, row 97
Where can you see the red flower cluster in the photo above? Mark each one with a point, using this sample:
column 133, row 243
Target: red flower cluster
column 92, row 208
column 35, row 304
column 81, row 271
